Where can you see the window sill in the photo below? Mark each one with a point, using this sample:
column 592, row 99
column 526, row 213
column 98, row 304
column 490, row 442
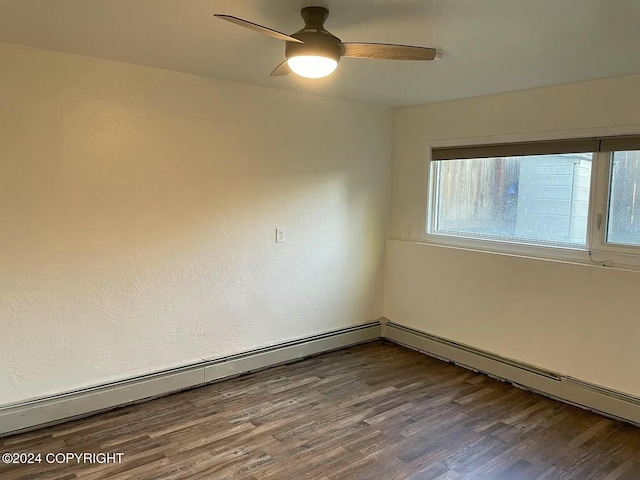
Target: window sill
column 556, row 253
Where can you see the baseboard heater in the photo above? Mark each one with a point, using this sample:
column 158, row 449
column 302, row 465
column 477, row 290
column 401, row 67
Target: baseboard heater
column 40, row 412
column 583, row 394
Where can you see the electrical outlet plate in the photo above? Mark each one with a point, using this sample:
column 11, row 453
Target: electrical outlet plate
column 409, row 231
column 279, row 235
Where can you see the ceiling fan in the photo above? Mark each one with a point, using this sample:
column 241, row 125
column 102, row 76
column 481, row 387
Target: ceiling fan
column 313, row 52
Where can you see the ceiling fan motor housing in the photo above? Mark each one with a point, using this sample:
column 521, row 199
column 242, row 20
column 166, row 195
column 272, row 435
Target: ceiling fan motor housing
column 317, row 40
column 317, row 44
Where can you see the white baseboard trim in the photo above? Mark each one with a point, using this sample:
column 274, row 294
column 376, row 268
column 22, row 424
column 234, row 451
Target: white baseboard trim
column 551, row 384
column 37, row 413
column 28, row 415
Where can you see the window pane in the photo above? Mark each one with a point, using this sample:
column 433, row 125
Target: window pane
column 540, row 198
column 624, row 199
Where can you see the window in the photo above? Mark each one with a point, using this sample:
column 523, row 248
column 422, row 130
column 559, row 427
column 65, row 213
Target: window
column 623, row 226
column 579, row 195
column 542, row 198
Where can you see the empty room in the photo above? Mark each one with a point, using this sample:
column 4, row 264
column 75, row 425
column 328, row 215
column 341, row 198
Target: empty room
column 333, row 239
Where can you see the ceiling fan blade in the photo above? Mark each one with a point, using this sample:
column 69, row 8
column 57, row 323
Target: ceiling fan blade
column 388, row 51
column 281, row 70
column 257, row 28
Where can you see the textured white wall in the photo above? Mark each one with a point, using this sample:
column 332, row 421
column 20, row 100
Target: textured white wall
column 139, row 209
column 578, row 320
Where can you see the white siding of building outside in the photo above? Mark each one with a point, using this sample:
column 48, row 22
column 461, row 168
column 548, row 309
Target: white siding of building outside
column 553, row 195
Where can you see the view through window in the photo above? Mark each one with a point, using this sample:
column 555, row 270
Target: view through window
column 624, row 204
column 540, row 197
column 539, row 194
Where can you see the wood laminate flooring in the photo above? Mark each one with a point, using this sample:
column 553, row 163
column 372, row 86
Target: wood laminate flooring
column 377, row 411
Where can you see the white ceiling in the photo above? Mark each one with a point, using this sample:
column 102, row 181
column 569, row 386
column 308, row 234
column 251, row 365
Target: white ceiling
column 490, row 46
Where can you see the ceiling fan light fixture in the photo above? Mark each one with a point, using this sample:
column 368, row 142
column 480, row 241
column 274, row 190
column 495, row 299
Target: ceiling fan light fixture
column 312, row 66
column 314, row 52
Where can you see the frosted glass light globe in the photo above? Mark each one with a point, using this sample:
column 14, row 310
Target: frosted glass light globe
column 312, row 66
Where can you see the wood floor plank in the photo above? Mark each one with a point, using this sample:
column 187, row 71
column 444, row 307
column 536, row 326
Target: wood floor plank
column 376, row 411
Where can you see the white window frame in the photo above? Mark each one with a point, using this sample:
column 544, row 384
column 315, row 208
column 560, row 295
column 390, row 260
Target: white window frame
column 596, row 250
column 599, row 216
